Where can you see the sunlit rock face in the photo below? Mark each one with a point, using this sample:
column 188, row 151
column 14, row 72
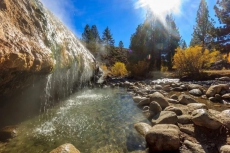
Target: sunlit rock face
column 34, row 42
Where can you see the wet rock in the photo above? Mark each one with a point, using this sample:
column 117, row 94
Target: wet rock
column 173, row 101
column 184, row 119
column 225, row 78
column 158, row 87
column 160, row 99
column 212, row 99
column 65, row 148
column 224, row 149
column 167, row 88
column 195, row 92
column 174, row 96
column 195, row 106
column 142, row 128
column 145, row 101
column 224, row 117
column 202, row 117
column 137, row 99
column 218, row 97
column 155, row 108
column 165, row 117
column 185, row 99
column 7, row 133
column 178, row 89
column 163, row 137
column 193, row 147
column 174, row 109
column 216, row 89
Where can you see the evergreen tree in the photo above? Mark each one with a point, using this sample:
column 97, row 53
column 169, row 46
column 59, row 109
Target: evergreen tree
column 222, row 9
column 203, row 30
column 108, row 40
column 87, row 34
column 182, row 44
column 121, row 45
column 95, row 34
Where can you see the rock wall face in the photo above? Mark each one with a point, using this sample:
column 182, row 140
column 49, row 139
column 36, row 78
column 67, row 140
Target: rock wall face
column 34, row 41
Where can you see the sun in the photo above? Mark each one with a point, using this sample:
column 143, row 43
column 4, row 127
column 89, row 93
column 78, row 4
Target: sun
column 161, row 7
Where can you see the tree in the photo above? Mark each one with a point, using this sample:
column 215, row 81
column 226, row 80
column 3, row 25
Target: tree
column 95, row 34
column 182, row 44
column 203, row 30
column 108, row 40
column 121, row 45
column 87, row 34
column 222, row 9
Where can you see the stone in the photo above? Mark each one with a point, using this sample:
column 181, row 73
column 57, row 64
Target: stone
column 174, row 109
column 158, row 87
column 224, row 149
column 226, row 96
column 193, row 147
column 195, row 106
column 195, row 92
column 216, row 89
column 224, row 117
column 218, row 97
column 185, row 99
column 7, row 133
column 178, row 89
column 167, row 88
column 65, row 148
column 142, row 128
column 145, row 101
column 195, row 86
column 202, row 117
column 173, row 101
column 174, row 96
column 160, row 99
column 225, row 78
column 212, row 99
column 165, row 117
column 137, row 99
column 188, row 130
column 184, row 119
column 163, row 137
column 155, row 107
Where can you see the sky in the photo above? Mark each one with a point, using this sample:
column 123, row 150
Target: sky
column 123, row 16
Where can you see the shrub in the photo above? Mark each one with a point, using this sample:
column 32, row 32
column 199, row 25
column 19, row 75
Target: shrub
column 140, row 69
column 193, row 59
column 104, row 68
column 119, row 69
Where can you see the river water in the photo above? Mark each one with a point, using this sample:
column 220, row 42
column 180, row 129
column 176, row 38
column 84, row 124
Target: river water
column 93, row 120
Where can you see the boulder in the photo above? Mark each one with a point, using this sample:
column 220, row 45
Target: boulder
column 137, row 99
column 195, row 106
column 65, row 148
column 188, row 130
column 163, row 137
column 226, row 96
column 174, row 96
column 193, row 147
column 173, row 101
column 224, row 149
column 158, row 87
column 196, row 92
column 160, row 99
column 165, row 117
column 7, row 133
column 224, row 117
column 195, row 86
column 155, row 107
column 216, row 89
column 202, row 117
column 167, row 88
column 184, row 119
column 185, row 99
column 173, row 109
column 225, row 78
column 145, row 101
column 142, row 128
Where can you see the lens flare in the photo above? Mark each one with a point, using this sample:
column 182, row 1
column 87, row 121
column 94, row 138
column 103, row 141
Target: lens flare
column 161, row 7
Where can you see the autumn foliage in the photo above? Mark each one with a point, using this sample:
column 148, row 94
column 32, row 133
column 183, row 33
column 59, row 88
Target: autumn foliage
column 119, row 69
column 140, row 69
column 193, row 59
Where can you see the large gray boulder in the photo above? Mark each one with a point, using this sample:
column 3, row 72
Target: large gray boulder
column 216, row 89
column 142, row 128
column 160, row 99
column 224, row 117
column 165, row 117
column 185, row 99
column 196, row 92
column 202, row 117
column 163, row 137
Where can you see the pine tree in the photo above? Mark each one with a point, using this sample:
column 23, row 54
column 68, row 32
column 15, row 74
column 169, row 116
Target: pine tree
column 108, row 40
column 121, row 45
column 182, row 44
column 95, row 34
column 203, row 30
column 222, row 9
column 87, row 34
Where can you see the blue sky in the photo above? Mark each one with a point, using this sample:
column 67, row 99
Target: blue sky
column 121, row 16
